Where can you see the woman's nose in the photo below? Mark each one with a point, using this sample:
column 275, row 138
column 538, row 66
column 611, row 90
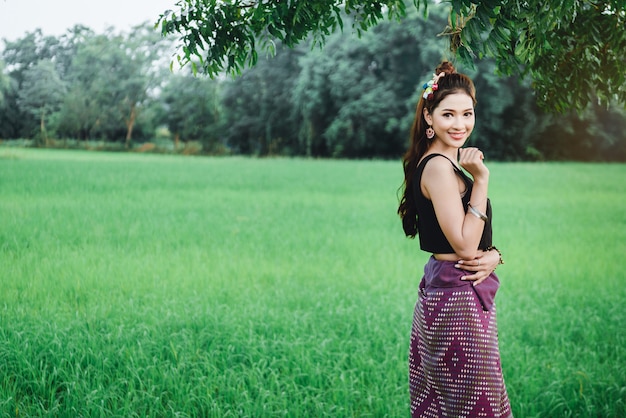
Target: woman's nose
column 458, row 122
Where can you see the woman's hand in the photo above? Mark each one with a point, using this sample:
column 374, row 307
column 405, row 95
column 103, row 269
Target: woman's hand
column 471, row 159
column 480, row 267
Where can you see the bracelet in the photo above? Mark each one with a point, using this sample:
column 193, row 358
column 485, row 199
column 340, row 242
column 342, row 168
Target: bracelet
column 476, row 212
column 499, row 253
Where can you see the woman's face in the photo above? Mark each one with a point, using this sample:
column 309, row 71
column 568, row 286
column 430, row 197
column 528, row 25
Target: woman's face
column 453, row 119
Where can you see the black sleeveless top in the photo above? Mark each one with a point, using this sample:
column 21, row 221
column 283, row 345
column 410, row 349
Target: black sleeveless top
column 431, row 236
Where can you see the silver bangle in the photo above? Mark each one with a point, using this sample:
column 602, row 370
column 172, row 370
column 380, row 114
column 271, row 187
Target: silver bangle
column 476, row 212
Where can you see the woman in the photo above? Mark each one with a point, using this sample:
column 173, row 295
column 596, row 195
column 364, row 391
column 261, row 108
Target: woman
column 454, row 361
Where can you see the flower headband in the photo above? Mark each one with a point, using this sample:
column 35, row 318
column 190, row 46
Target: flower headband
column 432, row 86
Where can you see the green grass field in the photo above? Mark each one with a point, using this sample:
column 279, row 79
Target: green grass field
column 163, row 286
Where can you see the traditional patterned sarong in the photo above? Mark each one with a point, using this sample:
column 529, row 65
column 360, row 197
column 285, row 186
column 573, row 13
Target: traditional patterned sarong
column 454, row 361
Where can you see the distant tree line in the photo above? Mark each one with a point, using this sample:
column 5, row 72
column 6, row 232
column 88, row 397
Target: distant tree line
column 353, row 98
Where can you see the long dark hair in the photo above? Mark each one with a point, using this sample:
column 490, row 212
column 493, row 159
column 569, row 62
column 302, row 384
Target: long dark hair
column 451, row 82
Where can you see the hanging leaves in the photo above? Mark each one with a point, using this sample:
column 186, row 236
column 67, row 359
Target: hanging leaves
column 571, row 49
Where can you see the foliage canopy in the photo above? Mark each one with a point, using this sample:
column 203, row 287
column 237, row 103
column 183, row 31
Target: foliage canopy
column 571, row 49
column 354, row 99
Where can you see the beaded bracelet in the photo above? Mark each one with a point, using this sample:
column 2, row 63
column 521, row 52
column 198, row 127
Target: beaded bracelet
column 501, row 261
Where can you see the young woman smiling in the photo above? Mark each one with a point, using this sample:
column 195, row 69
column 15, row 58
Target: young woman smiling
column 454, row 360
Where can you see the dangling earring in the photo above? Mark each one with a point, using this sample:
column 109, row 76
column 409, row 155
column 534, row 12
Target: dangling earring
column 430, row 132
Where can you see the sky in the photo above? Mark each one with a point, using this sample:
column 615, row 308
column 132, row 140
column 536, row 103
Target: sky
column 54, row 17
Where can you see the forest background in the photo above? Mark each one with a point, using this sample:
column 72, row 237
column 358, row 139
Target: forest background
column 353, row 98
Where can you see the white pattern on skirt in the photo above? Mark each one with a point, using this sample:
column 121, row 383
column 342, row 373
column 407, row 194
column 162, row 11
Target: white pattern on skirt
column 454, row 361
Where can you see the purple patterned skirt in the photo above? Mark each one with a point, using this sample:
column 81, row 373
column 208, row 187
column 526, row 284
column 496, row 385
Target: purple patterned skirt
column 454, row 361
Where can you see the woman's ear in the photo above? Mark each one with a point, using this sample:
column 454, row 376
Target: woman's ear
column 428, row 117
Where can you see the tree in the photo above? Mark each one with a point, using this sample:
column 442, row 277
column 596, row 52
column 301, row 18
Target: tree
column 8, row 91
column 258, row 107
column 20, row 56
column 5, row 84
column 571, row 49
column 357, row 97
column 41, row 93
column 111, row 76
column 191, row 109
column 351, row 96
column 25, row 53
column 136, row 74
column 87, row 110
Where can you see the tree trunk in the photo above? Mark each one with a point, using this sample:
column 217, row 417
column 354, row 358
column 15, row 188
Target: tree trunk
column 44, row 135
column 130, row 123
column 309, row 137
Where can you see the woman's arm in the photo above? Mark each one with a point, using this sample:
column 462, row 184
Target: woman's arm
column 441, row 185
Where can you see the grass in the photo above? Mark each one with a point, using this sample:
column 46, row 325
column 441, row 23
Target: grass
column 150, row 286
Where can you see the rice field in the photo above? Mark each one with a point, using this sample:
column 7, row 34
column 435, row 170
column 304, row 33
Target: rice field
column 139, row 285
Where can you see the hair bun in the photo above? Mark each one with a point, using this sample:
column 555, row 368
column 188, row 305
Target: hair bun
column 445, row 67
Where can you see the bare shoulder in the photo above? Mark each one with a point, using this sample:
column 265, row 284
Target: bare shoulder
column 438, row 177
column 438, row 166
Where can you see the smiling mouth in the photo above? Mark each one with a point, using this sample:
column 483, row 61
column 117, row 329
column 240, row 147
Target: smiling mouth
column 457, row 135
